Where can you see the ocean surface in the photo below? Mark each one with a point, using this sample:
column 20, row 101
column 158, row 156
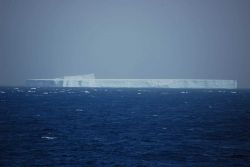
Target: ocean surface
column 69, row 127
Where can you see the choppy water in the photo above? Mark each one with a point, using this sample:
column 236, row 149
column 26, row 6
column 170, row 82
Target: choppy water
column 124, row 127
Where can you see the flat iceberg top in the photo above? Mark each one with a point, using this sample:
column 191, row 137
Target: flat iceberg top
column 89, row 80
column 132, row 83
column 79, row 77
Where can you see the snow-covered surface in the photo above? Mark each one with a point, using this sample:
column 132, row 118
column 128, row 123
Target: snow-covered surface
column 90, row 81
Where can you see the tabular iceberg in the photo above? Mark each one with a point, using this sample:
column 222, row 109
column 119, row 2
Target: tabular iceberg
column 90, row 81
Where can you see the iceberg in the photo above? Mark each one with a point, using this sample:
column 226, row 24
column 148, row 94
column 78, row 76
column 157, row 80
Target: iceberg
column 90, row 81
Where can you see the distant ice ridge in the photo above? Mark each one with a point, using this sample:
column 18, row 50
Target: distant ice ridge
column 90, row 81
column 78, row 80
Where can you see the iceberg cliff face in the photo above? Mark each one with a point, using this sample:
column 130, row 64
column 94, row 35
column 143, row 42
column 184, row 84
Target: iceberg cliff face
column 164, row 83
column 90, row 81
column 78, row 80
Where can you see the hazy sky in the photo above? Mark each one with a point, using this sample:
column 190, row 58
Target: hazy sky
column 125, row 39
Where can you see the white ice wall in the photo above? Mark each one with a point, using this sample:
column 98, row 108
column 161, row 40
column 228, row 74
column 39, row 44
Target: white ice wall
column 90, row 81
column 77, row 80
column 151, row 83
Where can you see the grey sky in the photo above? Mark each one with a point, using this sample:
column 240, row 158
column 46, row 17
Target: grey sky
column 125, row 39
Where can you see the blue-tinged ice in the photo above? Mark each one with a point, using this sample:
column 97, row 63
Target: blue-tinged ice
column 90, row 81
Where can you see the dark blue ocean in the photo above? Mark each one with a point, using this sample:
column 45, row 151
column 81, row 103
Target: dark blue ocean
column 69, row 127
